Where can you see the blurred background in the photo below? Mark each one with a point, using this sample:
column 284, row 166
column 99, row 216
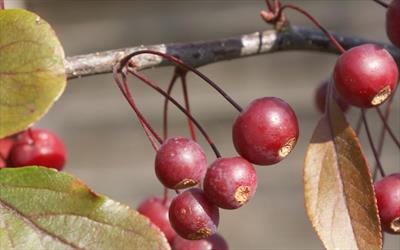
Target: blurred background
column 108, row 149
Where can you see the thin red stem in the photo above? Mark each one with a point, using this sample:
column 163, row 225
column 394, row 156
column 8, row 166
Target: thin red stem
column 165, row 111
column 315, row 21
column 383, row 133
column 184, row 66
column 166, row 195
column 358, row 125
column 388, row 128
column 371, row 143
column 162, row 92
column 146, row 130
column 381, row 3
column 132, row 103
column 269, row 5
column 187, row 105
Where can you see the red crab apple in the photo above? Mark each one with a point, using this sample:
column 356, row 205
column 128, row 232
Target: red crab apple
column 214, row 242
column 393, row 22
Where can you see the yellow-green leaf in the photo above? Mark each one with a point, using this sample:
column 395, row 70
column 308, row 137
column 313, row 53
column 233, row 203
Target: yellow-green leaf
column 41, row 208
column 338, row 191
column 32, row 74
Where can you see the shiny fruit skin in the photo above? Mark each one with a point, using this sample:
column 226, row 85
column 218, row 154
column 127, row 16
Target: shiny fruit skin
column 387, row 192
column 214, row 242
column 44, row 148
column 230, row 182
column 365, row 76
column 6, row 145
column 156, row 210
column 266, row 131
column 193, row 216
column 180, row 163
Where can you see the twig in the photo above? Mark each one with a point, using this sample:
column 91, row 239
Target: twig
column 206, row 52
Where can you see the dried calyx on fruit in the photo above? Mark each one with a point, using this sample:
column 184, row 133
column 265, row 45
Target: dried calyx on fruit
column 230, row 182
column 38, row 147
column 387, row 193
column 180, row 163
column 266, row 131
column 365, row 76
column 193, row 216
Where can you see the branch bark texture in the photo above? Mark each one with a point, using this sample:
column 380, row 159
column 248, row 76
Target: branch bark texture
column 206, row 52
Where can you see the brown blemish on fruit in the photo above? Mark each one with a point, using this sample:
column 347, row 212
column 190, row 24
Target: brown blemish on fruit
column 200, row 234
column 287, row 148
column 395, row 225
column 185, row 183
column 381, row 96
column 242, row 194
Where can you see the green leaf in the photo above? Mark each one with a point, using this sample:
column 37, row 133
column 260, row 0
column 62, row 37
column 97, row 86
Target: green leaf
column 32, row 74
column 41, row 208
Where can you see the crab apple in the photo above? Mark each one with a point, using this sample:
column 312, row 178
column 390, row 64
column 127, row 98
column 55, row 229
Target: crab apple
column 387, row 193
column 180, row 163
column 230, row 182
column 214, row 242
column 38, row 147
column 193, row 216
column 365, row 76
column 156, row 209
column 393, row 22
column 266, row 131
column 5, row 148
column 320, row 97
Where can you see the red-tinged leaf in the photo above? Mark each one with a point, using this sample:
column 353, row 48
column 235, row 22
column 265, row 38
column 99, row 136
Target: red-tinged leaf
column 41, row 208
column 338, row 191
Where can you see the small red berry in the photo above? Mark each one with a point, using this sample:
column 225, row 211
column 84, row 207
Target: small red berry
column 5, row 148
column 180, row 163
column 156, row 210
column 214, row 242
column 387, row 193
column 230, row 182
column 393, row 22
column 38, row 147
column 193, row 216
column 365, row 76
column 320, row 97
column 266, row 131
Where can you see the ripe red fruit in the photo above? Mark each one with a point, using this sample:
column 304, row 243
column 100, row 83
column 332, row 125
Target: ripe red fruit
column 320, row 97
column 393, row 22
column 156, row 210
column 266, row 131
column 365, row 76
column 39, row 147
column 230, row 182
column 180, row 163
column 214, row 242
column 193, row 216
column 387, row 193
column 5, row 148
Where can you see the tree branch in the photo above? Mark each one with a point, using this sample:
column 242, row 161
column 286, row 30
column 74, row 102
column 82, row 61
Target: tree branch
column 206, row 52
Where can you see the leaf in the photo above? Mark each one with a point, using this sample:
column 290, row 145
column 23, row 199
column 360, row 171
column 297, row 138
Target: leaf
column 32, row 74
column 41, row 208
column 338, row 191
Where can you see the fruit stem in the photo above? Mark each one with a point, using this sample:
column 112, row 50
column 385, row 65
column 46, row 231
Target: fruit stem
column 186, row 67
column 388, row 128
column 162, row 92
column 166, row 195
column 165, row 111
column 269, row 5
column 381, row 3
column 132, row 103
column 315, row 21
column 358, row 125
column 383, row 133
column 187, row 105
column 371, row 143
